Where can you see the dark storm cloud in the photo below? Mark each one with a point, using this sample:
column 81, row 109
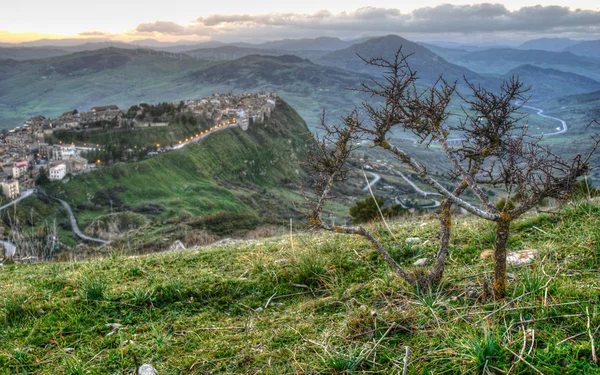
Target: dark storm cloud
column 446, row 18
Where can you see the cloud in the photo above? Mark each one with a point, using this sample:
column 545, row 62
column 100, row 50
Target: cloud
column 93, row 33
column 442, row 19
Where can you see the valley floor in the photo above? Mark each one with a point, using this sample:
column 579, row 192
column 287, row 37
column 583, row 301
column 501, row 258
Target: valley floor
column 314, row 304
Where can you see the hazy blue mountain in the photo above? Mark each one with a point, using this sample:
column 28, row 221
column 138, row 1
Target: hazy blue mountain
column 318, row 44
column 552, row 82
column 230, row 52
column 30, row 53
column 462, row 46
column 268, row 72
column 549, row 44
column 428, row 64
column 65, row 42
column 590, row 48
column 500, row 61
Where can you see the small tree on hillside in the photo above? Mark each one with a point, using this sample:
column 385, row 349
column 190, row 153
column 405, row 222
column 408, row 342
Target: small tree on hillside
column 495, row 150
column 369, row 209
column 366, row 210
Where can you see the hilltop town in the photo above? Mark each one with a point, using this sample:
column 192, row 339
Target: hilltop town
column 31, row 154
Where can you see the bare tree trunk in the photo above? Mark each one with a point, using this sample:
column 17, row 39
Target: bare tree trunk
column 502, row 233
column 445, row 228
column 440, row 262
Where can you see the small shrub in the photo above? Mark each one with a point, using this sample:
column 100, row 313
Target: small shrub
column 134, row 271
column 140, row 296
column 93, row 288
column 73, row 366
column 171, row 291
column 532, row 281
column 344, row 360
column 481, row 351
column 224, row 223
column 15, row 309
column 308, row 269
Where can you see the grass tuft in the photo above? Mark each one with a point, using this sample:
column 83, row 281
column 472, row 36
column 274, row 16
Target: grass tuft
column 15, row 309
column 93, row 288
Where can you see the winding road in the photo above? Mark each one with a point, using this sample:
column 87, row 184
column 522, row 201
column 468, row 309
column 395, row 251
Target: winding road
column 562, row 122
column 75, row 227
column 419, row 191
column 376, row 179
column 423, row 193
column 25, row 194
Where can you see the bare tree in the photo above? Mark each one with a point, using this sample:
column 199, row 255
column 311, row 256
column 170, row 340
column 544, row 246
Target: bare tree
column 495, row 150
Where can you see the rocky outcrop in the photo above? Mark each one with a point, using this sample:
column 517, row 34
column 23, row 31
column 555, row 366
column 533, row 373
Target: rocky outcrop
column 115, row 225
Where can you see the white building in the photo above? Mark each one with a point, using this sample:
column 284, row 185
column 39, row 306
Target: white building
column 10, row 189
column 58, row 172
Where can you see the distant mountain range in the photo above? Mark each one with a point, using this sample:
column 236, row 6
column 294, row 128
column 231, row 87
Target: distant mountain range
column 549, row 44
column 311, row 74
column 502, row 60
column 126, row 77
column 426, row 63
column 546, row 82
column 57, row 47
column 589, row 48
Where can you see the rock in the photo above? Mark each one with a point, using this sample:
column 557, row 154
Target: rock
column 147, row 369
column 412, row 240
column 421, row 262
column 521, row 257
column 485, row 254
column 177, row 245
column 473, row 294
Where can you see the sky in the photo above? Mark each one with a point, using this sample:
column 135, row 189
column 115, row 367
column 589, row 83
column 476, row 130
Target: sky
column 242, row 20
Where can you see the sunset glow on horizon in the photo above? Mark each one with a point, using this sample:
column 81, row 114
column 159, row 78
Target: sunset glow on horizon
column 236, row 20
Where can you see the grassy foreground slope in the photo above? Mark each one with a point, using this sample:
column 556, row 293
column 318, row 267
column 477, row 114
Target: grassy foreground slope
column 324, row 304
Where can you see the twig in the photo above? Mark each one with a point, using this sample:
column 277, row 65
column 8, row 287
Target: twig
column 570, row 338
column 377, row 204
column 552, row 212
column 137, row 364
column 524, row 361
column 541, row 230
column 380, row 340
column 406, row 360
column 269, row 301
column 594, row 356
column 532, row 341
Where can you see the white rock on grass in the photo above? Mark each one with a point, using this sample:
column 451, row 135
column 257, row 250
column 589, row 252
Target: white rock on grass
column 412, row 240
column 421, row 262
column 521, row 257
column 147, row 369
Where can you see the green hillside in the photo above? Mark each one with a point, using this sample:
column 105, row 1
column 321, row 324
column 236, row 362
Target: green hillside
column 322, row 304
column 252, row 175
column 265, row 155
